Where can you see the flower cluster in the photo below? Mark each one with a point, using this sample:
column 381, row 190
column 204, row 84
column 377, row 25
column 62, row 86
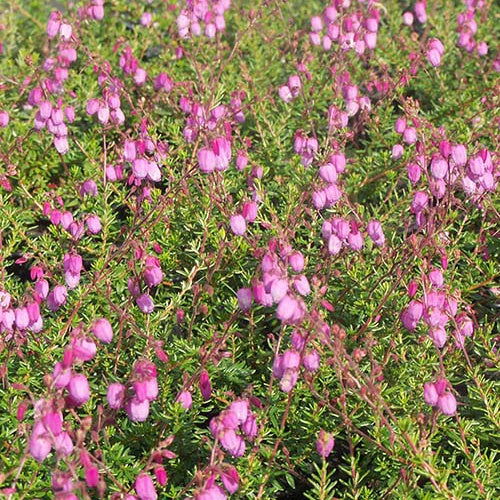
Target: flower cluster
column 339, row 233
column 199, row 13
column 467, row 29
column 232, row 425
column 352, row 31
column 437, row 308
column 437, row 394
column 216, row 156
column 291, row 90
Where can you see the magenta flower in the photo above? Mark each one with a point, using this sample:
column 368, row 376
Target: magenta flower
column 57, row 297
column 94, row 224
column 137, row 411
column 375, row 232
column 311, row 360
column 116, row 395
column 245, row 297
column 230, row 479
column 249, row 211
column 238, row 224
column 447, row 403
column 145, row 303
column 63, row 444
column 232, row 442
column 4, row 118
column 430, row 394
column 39, row 443
column 185, row 399
column 205, row 386
column 78, row 389
column 84, row 348
column 102, row 330
column 324, row 443
column 206, row 160
column 144, row 487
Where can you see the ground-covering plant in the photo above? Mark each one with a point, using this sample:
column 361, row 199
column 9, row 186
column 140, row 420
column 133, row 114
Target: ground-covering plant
column 249, row 249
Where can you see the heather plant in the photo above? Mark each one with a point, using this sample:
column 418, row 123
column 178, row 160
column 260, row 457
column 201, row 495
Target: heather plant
column 249, row 249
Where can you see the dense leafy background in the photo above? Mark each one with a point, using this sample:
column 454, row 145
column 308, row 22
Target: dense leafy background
column 388, row 442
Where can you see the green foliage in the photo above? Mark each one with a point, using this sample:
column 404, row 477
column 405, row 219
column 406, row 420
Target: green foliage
column 367, row 390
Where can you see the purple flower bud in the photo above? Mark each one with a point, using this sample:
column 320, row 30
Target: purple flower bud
column 89, row 187
column 375, row 232
column 61, row 375
column 151, row 388
column 53, row 422
column 240, row 408
column 137, row 411
column 279, row 289
column 63, row 444
column 73, row 263
column 439, row 167
column 284, row 93
column 84, row 349
column 116, row 395
column 144, row 487
column 145, row 303
column 311, row 361
column 319, row 199
column 153, row 276
column 286, row 308
column 185, row 399
column 42, row 288
column 334, row 244
column 434, row 57
column 39, row 443
column 22, row 318
column 301, row 284
column 316, row 23
column 212, row 492
column 447, row 404
column 57, row 297
column 78, row 389
column 420, row 202
column 4, row 118
column 400, row 125
column 430, row 394
column 410, row 135
column 140, row 76
column 245, row 298
column 438, row 336
column 324, row 444
column 102, row 330
column 397, row 151
column 94, row 224
column 232, row 442
column 408, row 18
column 206, row 160
column 482, row 48
column 441, row 384
column 76, row 229
column 249, row 426
column 420, row 12
column 249, row 211
column 241, row 160
column 238, row 224
column 436, row 278
column 355, row 241
column 290, row 359
column 204, row 385
column 230, row 479
column 465, row 325
column 296, row 261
